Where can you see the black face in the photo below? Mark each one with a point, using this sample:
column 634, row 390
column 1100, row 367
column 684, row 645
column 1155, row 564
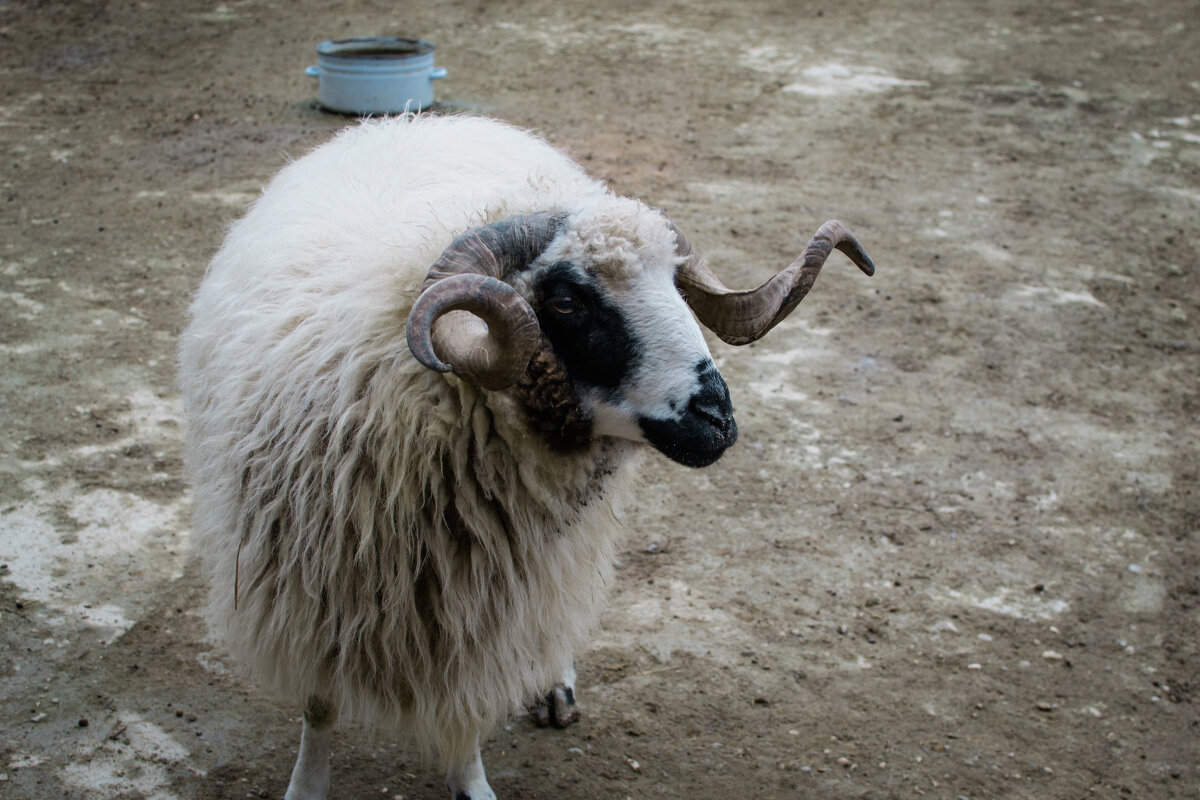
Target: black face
column 588, row 333
column 703, row 430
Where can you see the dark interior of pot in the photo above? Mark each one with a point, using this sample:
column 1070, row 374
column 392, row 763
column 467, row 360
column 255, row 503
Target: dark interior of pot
column 376, row 47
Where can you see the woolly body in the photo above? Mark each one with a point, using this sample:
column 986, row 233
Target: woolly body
column 390, row 538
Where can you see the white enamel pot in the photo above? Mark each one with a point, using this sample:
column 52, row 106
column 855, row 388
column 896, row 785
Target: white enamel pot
column 375, row 75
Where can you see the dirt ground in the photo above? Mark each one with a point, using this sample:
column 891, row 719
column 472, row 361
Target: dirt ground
column 955, row 553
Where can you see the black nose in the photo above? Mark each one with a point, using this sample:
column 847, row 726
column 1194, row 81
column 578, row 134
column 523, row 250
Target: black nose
column 704, row 430
column 711, row 403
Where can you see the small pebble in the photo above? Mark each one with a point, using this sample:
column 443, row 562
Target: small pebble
column 83, row 723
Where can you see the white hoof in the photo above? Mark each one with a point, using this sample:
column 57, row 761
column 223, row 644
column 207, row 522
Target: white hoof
column 467, row 781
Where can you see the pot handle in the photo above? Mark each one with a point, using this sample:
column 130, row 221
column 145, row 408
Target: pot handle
column 313, row 72
column 437, row 72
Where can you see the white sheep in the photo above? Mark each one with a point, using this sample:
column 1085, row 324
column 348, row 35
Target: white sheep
column 427, row 550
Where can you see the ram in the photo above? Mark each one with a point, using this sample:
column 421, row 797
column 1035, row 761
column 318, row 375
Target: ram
column 418, row 377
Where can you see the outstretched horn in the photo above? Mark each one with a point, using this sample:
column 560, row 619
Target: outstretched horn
column 741, row 317
column 469, row 321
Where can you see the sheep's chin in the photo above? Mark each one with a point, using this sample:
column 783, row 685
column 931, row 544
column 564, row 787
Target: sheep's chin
column 609, row 419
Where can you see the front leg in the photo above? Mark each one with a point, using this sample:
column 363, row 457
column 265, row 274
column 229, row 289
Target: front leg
column 310, row 776
column 558, row 706
column 466, row 779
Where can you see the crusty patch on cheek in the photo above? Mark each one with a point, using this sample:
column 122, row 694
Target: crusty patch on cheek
column 552, row 408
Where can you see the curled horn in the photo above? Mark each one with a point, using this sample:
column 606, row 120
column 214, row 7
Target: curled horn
column 741, row 317
column 467, row 320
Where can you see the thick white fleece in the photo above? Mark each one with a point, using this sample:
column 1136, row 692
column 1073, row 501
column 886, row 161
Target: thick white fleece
column 390, row 538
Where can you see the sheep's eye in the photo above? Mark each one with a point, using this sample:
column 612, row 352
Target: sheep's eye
column 564, row 304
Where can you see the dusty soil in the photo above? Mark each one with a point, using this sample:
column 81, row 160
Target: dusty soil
column 955, row 552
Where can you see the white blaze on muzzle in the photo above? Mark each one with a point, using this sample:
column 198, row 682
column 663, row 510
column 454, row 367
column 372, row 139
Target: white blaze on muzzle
column 674, row 398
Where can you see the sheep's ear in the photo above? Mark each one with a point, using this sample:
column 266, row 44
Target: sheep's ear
column 741, row 317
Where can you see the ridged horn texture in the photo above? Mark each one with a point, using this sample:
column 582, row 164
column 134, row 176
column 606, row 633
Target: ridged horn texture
column 492, row 343
column 741, row 317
